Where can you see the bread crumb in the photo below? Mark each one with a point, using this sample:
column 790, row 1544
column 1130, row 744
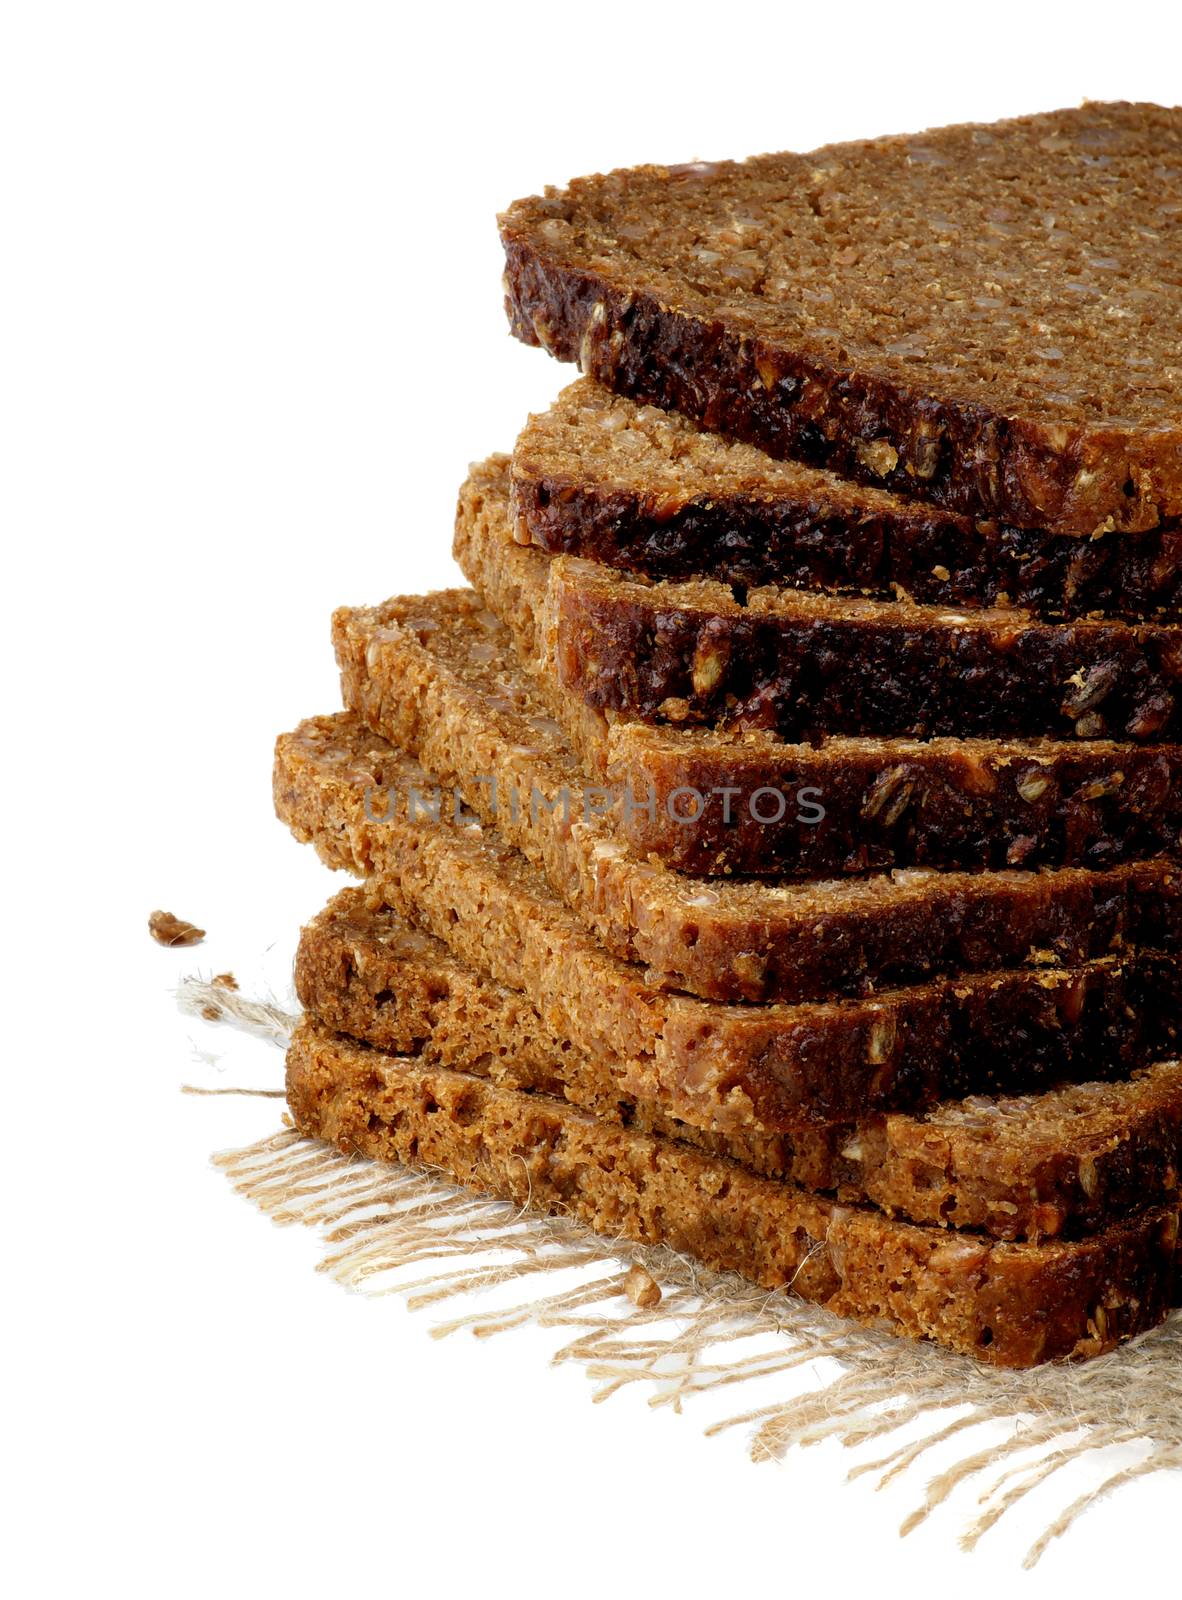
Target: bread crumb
column 170, row 930
column 642, row 1288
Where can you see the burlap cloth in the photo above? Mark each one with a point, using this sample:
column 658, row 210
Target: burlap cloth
column 713, row 1332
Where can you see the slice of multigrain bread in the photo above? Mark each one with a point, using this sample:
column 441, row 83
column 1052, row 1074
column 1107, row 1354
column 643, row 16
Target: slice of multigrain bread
column 717, row 1066
column 421, row 683
column 749, row 802
column 988, row 318
column 632, row 486
column 1009, row 1304
column 1065, row 1163
column 801, row 664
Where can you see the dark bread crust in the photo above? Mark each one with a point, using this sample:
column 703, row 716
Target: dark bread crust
column 747, row 541
column 723, row 1067
column 722, row 939
column 932, row 805
column 759, row 371
column 972, row 803
column 989, row 466
column 692, row 653
column 1062, row 1164
column 815, row 531
column 1008, row 1304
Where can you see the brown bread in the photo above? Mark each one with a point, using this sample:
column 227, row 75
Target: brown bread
column 723, row 939
column 803, row 664
column 1008, row 1304
column 1060, row 1164
column 987, row 318
column 974, row 803
column 722, row 1067
column 632, row 486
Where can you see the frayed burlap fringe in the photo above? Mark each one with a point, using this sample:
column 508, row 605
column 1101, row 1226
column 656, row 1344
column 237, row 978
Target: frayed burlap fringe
column 378, row 1220
column 215, row 1002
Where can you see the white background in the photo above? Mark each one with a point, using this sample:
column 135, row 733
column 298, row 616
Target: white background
column 252, row 334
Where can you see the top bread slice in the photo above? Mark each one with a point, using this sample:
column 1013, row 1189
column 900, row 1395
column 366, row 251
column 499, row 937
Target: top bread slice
column 635, row 487
column 985, row 317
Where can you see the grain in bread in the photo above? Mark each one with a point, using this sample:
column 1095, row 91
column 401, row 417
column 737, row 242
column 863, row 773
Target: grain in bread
column 803, row 664
column 719, row 1066
column 722, row 938
column 635, row 487
column 711, row 803
column 985, row 317
column 1063, row 1163
column 1009, row 1304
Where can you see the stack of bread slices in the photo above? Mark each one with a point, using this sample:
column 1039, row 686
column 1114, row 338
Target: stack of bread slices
column 773, row 853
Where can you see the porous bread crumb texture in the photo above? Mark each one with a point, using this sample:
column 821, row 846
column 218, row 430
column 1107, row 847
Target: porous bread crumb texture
column 721, row 938
column 986, row 317
column 691, row 653
column 803, row 664
column 168, row 929
column 887, row 802
column 943, row 803
column 1010, row 1304
column 642, row 489
column 1064, row 1163
column 642, row 1288
column 726, row 1067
